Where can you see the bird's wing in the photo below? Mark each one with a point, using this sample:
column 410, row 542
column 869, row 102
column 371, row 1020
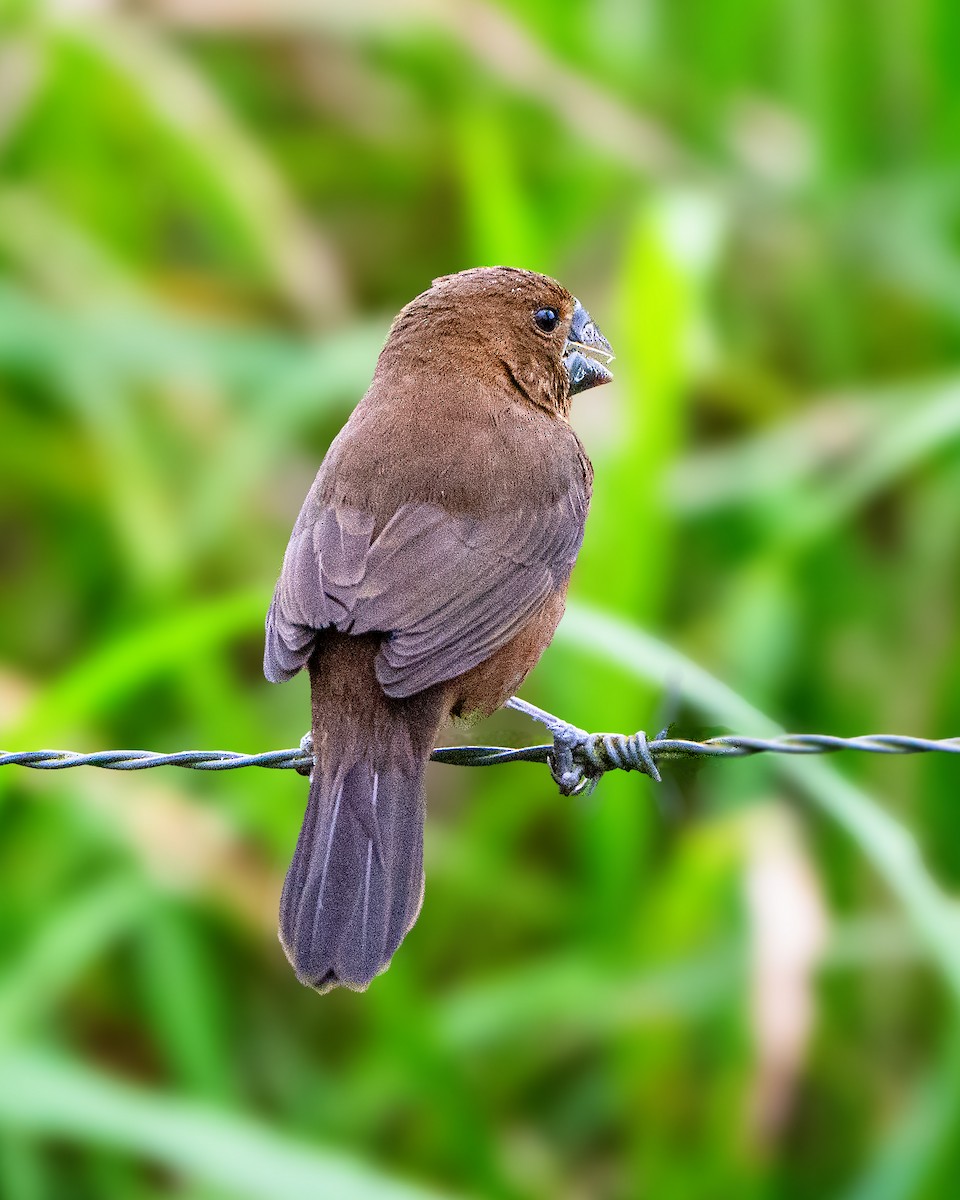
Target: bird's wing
column 447, row 590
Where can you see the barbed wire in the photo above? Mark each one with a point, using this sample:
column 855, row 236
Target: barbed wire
column 577, row 759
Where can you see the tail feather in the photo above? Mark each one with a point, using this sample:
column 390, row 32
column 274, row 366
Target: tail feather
column 355, row 885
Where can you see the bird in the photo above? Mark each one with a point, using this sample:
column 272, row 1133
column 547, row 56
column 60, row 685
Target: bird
column 424, row 577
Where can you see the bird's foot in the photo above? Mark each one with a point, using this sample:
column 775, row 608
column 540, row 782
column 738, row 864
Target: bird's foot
column 578, row 758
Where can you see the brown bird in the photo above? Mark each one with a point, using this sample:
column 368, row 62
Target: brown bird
column 424, row 578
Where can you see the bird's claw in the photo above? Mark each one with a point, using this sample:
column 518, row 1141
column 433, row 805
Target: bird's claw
column 306, row 746
column 571, row 775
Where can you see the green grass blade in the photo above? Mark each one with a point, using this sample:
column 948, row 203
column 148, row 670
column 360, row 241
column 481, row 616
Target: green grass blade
column 51, row 1097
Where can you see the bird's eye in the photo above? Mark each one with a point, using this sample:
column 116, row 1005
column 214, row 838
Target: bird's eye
column 546, row 319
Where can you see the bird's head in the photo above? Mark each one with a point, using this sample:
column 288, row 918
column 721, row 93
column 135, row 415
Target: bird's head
column 505, row 323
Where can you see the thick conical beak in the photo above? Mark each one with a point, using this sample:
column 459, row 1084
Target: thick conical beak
column 586, row 353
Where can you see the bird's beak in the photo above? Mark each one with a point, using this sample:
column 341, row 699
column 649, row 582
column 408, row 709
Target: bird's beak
column 586, row 353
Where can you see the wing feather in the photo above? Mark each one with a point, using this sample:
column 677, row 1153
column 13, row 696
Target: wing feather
column 446, row 590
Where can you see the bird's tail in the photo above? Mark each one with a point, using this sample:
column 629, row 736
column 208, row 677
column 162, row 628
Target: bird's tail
column 355, row 885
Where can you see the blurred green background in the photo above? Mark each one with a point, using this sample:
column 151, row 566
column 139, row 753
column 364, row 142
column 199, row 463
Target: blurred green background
column 745, row 983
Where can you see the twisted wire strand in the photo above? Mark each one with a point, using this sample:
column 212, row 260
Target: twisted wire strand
column 591, row 754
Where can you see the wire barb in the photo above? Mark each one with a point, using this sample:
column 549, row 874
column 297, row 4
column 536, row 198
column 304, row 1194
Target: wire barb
column 576, row 759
